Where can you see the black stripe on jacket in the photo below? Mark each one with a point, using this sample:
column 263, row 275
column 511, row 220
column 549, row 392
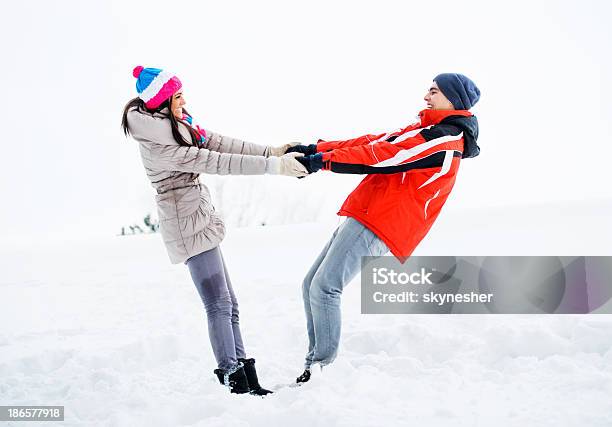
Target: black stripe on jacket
column 438, row 131
column 432, row 161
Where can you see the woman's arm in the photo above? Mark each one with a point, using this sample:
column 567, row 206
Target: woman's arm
column 200, row 160
column 226, row 144
column 160, row 151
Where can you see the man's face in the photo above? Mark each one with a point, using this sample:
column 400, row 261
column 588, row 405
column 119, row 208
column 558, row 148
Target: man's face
column 436, row 100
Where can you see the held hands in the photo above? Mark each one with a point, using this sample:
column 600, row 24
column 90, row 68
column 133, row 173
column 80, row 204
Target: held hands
column 294, row 147
column 294, row 159
column 286, row 165
column 307, row 150
column 312, row 163
column 283, row 149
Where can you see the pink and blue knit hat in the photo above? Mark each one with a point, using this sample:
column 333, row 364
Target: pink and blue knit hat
column 154, row 86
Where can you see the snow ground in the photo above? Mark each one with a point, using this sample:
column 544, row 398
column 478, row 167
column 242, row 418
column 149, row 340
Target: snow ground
column 115, row 333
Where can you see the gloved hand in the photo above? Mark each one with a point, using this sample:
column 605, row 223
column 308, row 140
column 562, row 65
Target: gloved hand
column 283, row 149
column 312, row 163
column 307, row 150
column 286, row 165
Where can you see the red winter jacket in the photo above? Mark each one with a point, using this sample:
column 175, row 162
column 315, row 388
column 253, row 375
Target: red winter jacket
column 411, row 172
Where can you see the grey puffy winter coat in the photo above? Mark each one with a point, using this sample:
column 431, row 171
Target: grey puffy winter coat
column 189, row 223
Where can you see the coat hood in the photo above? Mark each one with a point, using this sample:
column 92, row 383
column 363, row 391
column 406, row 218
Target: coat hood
column 469, row 126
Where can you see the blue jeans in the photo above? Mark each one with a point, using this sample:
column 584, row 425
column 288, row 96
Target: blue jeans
column 334, row 268
column 210, row 276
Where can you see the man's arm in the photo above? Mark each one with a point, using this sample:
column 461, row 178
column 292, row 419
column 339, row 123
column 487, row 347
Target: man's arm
column 323, row 146
column 430, row 148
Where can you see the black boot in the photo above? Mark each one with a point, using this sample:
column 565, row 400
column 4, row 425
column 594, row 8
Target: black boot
column 251, row 374
column 236, row 380
column 304, row 377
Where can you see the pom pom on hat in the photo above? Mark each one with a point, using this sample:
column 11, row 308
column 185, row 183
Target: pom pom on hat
column 137, row 70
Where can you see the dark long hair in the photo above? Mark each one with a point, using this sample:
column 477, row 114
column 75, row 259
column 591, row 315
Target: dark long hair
column 139, row 104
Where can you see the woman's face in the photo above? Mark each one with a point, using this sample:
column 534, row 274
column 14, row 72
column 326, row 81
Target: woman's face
column 176, row 104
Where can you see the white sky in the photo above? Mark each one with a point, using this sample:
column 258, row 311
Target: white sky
column 271, row 72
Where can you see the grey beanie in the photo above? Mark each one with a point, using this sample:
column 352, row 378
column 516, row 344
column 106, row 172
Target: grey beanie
column 460, row 90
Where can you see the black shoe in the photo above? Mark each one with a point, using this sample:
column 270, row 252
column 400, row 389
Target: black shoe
column 236, row 380
column 304, row 377
column 251, row 374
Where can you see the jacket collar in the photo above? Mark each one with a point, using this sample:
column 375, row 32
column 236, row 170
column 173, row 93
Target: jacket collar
column 431, row 117
column 164, row 112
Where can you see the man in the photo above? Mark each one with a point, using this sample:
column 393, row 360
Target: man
column 410, row 173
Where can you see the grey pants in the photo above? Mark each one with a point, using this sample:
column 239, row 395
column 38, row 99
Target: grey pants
column 210, row 276
column 334, row 268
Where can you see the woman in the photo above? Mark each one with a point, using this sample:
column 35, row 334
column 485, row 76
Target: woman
column 174, row 152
